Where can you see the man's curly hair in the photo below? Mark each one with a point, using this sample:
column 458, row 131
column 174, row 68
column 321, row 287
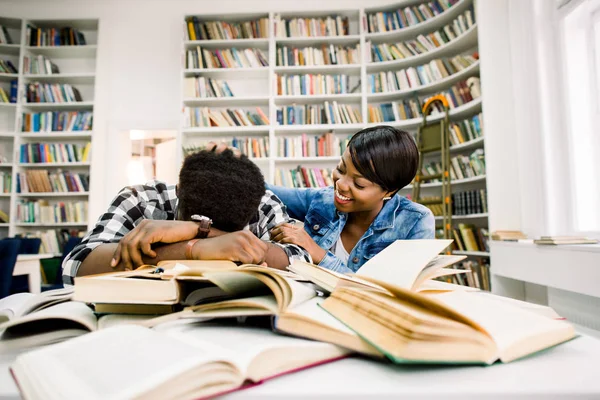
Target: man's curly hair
column 223, row 187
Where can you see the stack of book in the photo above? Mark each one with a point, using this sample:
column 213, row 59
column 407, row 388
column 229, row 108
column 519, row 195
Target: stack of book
column 402, row 314
column 556, row 240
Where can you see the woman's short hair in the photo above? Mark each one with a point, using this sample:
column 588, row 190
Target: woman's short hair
column 385, row 155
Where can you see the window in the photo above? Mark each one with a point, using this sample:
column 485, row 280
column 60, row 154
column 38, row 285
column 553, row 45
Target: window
column 580, row 31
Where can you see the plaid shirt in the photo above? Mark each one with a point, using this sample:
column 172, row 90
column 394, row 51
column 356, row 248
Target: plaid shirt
column 158, row 201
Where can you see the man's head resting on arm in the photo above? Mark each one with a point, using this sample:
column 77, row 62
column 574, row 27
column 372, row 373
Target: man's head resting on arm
column 222, row 186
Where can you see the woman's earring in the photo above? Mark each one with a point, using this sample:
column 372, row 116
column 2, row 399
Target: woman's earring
column 387, row 197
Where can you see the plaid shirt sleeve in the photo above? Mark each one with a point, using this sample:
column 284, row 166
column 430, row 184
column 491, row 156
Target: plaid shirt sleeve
column 154, row 200
column 271, row 213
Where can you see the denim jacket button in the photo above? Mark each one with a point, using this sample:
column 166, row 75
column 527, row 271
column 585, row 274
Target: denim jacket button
column 355, row 260
column 316, row 227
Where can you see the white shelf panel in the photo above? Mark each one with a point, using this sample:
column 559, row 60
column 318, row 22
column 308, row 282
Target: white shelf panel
column 260, row 43
column 471, row 253
column 318, row 98
column 318, row 40
column 12, row 49
column 480, row 178
column 57, row 224
column 301, row 160
column 56, row 135
column 81, row 78
column 73, row 105
column 6, row 165
column 226, row 101
column 220, row 73
column 53, row 165
column 463, row 42
column 469, row 216
column 319, row 127
column 4, row 225
column 468, row 145
column 349, row 69
column 8, row 77
column 87, row 51
column 424, row 27
column 4, row 195
column 426, row 89
column 7, row 134
column 8, row 105
column 54, row 194
column 235, row 130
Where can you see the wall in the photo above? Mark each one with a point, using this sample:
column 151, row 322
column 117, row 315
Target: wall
column 139, row 68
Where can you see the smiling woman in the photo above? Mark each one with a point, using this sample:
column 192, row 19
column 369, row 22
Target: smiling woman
column 347, row 224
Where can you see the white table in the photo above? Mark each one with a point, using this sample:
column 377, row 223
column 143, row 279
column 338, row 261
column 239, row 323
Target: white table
column 566, row 371
column 30, row 265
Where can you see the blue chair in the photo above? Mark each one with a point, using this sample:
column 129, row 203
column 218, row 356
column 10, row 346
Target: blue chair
column 69, row 246
column 9, row 250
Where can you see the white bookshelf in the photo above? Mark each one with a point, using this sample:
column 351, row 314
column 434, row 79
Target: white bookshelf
column 258, row 88
column 77, row 66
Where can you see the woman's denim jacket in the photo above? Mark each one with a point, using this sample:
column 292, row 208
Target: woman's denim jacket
column 399, row 219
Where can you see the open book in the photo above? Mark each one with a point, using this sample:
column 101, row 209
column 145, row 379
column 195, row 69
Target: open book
column 54, row 324
column 134, row 362
column 409, row 264
column 447, row 327
column 20, row 304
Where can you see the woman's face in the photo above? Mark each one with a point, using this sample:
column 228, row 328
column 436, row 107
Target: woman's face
column 353, row 192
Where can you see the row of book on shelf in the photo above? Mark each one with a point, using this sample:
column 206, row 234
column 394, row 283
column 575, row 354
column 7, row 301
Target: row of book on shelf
column 461, row 166
column 466, row 130
column 313, row 84
column 303, row 177
column 54, row 152
column 250, row 146
column 200, row 58
column 459, row 94
column 7, row 67
column 331, row 25
column 11, row 95
column 415, row 77
column 39, row 92
column 206, row 117
column 56, row 121
column 5, row 182
column 470, row 238
column 41, row 211
column 202, row 87
column 327, row 113
column 44, row 181
column 388, row 21
column 325, row 145
column 477, row 276
column 223, row 30
column 39, row 64
column 423, row 43
column 54, row 240
column 65, row 36
column 467, row 202
column 323, row 55
column 5, row 36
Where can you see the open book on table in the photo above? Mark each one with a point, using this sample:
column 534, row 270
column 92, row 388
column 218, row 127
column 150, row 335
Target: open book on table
column 134, row 362
column 409, row 264
column 447, row 327
column 54, row 324
column 21, row 304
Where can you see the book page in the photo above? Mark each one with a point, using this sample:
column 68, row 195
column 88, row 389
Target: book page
column 516, row 331
column 401, row 262
column 11, row 305
column 120, row 362
column 67, row 311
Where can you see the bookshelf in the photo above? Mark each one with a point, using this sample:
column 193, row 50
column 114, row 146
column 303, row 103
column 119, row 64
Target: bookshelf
column 62, row 69
column 349, row 31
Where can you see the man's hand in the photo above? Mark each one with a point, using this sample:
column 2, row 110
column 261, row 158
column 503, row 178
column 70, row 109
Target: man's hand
column 140, row 240
column 290, row 233
column 240, row 246
column 221, row 147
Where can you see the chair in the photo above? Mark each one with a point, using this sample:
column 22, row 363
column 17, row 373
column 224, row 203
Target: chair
column 58, row 283
column 20, row 283
column 9, row 248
